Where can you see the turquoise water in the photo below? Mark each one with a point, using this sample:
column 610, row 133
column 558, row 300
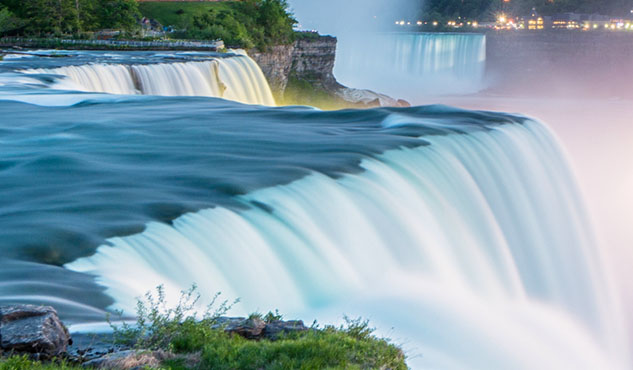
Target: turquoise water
column 458, row 233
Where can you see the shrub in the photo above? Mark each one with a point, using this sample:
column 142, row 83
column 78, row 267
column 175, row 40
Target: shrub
column 157, row 325
column 180, row 330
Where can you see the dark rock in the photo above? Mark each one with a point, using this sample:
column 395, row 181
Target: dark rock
column 33, row 329
column 251, row 328
column 275, row 329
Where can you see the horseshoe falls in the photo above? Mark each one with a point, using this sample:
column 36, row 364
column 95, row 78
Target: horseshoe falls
column 412, row 64
column 460, row 234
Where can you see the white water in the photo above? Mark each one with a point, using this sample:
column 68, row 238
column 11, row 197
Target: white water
column 475, row 249
column 412, row 64
column 236, row 78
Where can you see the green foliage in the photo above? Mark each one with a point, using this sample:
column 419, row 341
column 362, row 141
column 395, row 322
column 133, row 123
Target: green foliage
column 24, row 363
column 221, row 24
column 351, row 346
column 70, row 17
column 8, row 20
column 246, row 24
column 331, row 348
column 158, row 325
column 118, row 14
column 272, row 317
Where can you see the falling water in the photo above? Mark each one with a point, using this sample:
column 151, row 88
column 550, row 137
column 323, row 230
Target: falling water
column 475, row 246
column 412, row 64
column 236, row 78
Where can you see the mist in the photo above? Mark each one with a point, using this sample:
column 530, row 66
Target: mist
column 347, row 17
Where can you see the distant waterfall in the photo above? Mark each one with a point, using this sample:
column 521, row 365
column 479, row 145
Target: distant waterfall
column 234, row 78
column 412, row 63
column 474, row 247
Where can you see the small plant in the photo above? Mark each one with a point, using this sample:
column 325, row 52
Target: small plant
column 272, row 317
column 357, row 328
column 157, row 325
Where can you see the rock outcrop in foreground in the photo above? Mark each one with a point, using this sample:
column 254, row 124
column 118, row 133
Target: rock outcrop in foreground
column 37, row 331
column 33, row 329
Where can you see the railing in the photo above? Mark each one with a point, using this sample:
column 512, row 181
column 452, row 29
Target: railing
column 47, row 42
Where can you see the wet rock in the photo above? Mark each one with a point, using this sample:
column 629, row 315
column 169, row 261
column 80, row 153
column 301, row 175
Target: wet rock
column 33, row 329
column 275, row 329
column 251, row 328
column 129, row 360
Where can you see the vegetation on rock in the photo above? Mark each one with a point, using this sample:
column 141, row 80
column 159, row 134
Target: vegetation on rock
column 182, row 339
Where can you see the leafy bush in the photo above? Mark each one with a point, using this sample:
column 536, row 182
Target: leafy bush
column 178, row 329
column 158, row 325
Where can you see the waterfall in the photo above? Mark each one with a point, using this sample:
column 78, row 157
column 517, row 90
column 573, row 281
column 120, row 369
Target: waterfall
column 235, row 78
column 412, row 63
column 475, row 248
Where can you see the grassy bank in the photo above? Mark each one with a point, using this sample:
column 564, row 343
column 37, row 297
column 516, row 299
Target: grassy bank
column 183, row 338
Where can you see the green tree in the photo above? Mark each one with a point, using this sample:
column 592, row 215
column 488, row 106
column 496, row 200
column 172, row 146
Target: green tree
column 51, row 16
column 222, row 25
column 119, row 14
column 249, row 23
column 8, row 21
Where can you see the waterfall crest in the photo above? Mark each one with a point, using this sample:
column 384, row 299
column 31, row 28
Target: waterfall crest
column 476, row 246
column 236, row 78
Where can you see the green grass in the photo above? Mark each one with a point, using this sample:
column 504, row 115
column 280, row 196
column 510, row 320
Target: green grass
column 328, row 348
column 197, row 342
column 179, row 14
column 24, row 363
column 303, row 92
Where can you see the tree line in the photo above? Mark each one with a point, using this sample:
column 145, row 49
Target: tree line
column 64, row 17
column 246, row 23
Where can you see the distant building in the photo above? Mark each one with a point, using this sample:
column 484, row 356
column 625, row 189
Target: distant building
column 534, row 21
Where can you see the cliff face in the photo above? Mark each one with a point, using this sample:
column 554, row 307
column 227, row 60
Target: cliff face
column 306, row 67
column 311, row 60
column 275, row 64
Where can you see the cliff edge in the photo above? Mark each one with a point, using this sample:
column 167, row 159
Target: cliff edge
column 302, row 73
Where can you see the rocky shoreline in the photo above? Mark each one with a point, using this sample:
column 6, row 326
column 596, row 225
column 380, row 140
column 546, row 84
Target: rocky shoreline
column 36, row 331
